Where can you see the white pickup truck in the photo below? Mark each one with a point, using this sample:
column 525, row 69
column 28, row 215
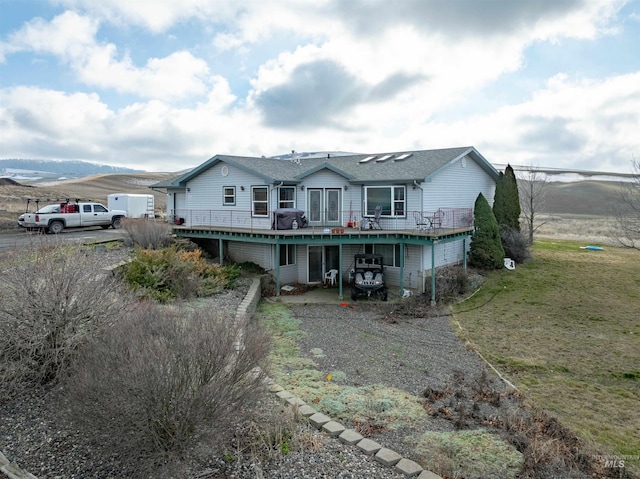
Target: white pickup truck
column 74, row 215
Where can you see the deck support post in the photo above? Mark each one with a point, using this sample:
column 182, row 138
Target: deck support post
column 433, row 273
column 221, row 251
column 277, row 260
column 401, row 268
column 464, row 253
column 340, row 271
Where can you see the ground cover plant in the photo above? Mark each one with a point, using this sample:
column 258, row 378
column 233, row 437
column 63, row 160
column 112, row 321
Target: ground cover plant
column 172, row 272
column 564, row 327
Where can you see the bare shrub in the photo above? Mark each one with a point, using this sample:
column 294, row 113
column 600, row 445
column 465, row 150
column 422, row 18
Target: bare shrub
column 163, row 378
column 147, row 233
column 516, row 245
column 53, row 297
column 451, row 282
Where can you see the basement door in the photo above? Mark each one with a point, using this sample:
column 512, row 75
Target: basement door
column 320, row 260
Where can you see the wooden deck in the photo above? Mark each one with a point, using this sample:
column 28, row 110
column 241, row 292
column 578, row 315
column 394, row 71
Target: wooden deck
column 333, row 235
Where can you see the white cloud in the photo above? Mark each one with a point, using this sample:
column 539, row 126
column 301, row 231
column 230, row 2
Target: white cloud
column 368, row 79
column 587, row 124
column 40, row 123
column 67, row 36
column 71, row 37
column 154, row 15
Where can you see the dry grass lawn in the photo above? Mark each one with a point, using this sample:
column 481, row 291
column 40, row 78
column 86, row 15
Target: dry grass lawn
column 565, row 329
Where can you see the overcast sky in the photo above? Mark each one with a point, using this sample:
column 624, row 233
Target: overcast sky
column 163, row 85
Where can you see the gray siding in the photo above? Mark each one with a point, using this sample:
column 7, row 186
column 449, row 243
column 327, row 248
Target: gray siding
column 205, row 200
column 456, row 186
column 255, row 252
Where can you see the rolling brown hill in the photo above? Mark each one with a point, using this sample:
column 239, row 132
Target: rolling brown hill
column 14, row 195
column 597, row 198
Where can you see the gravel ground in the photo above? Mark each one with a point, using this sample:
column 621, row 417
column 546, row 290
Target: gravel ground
column 407, row 353
column 415, row 355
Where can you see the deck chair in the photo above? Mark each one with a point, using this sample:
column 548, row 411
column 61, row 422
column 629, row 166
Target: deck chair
column 369, row 223
column 438, row 218
column 422, row 223
column 330, row 277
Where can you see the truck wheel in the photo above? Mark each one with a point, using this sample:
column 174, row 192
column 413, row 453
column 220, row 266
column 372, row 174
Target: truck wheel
column 56, row 227
column 117, row 222
column 384, row 294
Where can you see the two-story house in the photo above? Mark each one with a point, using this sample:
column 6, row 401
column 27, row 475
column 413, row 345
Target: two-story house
column 413, row 207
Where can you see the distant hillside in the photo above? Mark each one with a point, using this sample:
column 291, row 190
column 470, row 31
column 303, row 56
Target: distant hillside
column 57, row 169
column 14, row 195
column 582, row 197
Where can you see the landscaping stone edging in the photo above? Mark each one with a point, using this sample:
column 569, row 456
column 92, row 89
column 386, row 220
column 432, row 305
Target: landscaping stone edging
column 328, row 426
column 11, row 469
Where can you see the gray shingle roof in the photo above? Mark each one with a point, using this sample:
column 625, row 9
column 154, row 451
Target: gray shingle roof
column 418, row 166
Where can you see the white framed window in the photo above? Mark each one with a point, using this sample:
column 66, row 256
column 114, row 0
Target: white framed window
column 390, row 253
column 228, row 195
column 392, row 199
column 287, row 254
column 260, row 201
column 287, row 197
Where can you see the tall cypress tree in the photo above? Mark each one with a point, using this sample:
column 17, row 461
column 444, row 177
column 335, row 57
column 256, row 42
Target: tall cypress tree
column 486, row 247
column 512, row 199
column 499, row 201
column 506, row 202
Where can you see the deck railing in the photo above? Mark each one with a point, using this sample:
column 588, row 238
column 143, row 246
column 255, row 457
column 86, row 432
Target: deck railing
column 428, row 222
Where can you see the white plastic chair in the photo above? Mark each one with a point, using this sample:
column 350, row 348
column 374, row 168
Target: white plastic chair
column 330, row 276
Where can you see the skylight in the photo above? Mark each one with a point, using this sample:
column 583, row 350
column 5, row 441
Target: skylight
column 367, row 159
column 403, row 156
column 383, row 158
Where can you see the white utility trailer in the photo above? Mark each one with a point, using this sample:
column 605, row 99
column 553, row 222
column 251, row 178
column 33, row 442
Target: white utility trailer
column 136, row 206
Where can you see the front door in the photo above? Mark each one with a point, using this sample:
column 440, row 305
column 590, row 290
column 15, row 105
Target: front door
column 324, row 206
column 320, row 260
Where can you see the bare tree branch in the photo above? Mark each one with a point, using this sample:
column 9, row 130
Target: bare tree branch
column 627, row 214
column 532, row 187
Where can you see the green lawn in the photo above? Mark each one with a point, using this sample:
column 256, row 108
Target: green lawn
column 565, row 329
